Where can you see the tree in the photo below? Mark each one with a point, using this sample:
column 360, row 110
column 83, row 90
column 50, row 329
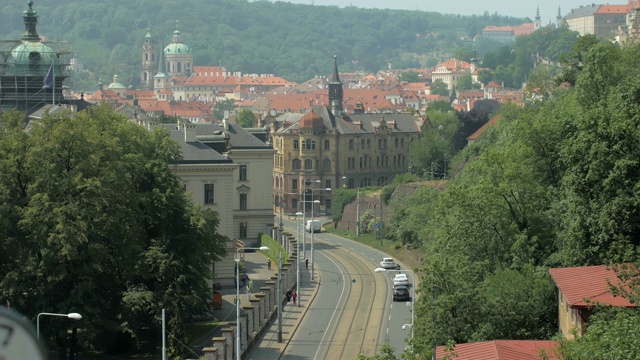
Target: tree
column 222, row 106
column 485, row 76
column 409, row 76
column 464, row 54
column 438, row 87
column 465, row 82
column 610, row 337
column 104, row 226
column 246, row 119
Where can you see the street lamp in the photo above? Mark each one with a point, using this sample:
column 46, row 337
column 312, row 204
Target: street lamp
column 298, row 257
column 413, row 274
column 312, row 227
column 263, row 248
column 74, row 316
column 304, row 220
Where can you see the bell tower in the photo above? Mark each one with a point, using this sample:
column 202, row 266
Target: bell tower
column 149, row 61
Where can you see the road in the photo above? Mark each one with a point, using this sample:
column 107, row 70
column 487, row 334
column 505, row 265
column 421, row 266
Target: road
column 353, row 312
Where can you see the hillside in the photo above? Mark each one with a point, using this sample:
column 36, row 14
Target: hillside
column 290, row 40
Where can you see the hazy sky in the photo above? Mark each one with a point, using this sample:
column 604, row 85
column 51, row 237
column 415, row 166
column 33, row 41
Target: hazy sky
column 518, row 8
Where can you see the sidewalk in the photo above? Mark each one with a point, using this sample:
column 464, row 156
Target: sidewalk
column 268, row 346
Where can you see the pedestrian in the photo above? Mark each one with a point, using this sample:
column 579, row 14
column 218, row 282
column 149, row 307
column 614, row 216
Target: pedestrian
column 294, row 295
column 289, row 295
column 268, row 264
column 250, row 287
column 306, row 262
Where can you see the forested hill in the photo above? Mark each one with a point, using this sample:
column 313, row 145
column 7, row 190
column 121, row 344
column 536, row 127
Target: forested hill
column 291, row 40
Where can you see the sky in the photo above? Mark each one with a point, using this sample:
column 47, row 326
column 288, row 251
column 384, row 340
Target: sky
column 516, row 8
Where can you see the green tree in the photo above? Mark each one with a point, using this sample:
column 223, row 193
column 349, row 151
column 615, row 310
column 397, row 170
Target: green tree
column 610, row 337
column 104, row 226
column 409, row 76
column 485, row 76
column 465, row 82
column 246, row 118
column 222, row 106
column 439, row 88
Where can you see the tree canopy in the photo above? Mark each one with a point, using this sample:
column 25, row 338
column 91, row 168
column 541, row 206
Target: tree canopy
column 94, row 221
column 553, row 184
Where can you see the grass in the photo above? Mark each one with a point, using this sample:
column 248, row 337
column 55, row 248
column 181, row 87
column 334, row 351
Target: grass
column 197, row 330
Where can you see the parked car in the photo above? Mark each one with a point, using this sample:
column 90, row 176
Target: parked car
column 401, row 279
column 388, row 263
column 401, row 293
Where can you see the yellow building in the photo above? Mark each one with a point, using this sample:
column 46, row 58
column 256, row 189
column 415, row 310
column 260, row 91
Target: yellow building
column 326, row 148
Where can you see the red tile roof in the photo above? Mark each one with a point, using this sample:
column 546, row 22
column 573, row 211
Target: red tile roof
column 614, row 9
column 484, row 127
column 578, row 284
column 501, row 350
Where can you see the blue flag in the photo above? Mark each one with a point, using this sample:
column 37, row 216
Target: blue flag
column 48, row 80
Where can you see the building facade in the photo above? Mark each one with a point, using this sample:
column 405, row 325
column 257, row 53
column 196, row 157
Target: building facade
column 326, row 148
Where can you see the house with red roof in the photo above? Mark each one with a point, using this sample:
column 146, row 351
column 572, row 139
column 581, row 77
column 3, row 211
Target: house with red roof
column 581, row 288
column 501, row 350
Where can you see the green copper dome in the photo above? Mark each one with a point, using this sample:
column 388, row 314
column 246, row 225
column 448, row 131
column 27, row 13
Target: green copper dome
column 116, row 83
column 33, row 50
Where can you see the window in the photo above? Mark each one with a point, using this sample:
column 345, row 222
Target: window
column 326, row 165
column 243, row 230
column 296, row 144
column 294, row 184
column 308, row 164
column 208, row 194
column 296, row 164
column 326, row 145
column 396, row 143
column 368, row 143
column 350, row 144
column 327, row 184
column 243, row 201
column 362, row 144
column 243, row 173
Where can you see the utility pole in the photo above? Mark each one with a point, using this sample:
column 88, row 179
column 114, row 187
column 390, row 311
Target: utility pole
column 375, row 223
column 281, row 231
column 358, row 213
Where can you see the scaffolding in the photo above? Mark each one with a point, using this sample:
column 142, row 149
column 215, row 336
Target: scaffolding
column 23, row 68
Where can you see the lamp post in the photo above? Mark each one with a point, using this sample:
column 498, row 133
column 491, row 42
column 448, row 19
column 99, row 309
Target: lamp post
column 281, row 243
column 304, row 232
column 263, row 248
column 312, row 227
column 298, row 258
column 413, row 297
column 74, row 316
column 304, row 214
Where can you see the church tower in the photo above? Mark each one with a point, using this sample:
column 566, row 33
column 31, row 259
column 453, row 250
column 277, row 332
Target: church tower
column 178, row 56
column 335, row 90
column 160, row 79
column 149, row 61
column 537, row 23
column 559, row 18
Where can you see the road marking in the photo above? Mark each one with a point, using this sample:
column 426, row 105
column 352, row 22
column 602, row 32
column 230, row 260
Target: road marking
column 335, row 310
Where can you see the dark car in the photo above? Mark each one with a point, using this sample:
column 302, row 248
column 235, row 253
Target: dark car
column 401, row 293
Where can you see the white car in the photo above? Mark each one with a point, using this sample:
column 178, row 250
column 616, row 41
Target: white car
column 388, row 263
column 401, row 279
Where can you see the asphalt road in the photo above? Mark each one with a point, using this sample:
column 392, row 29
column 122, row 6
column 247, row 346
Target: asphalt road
column 353, row 312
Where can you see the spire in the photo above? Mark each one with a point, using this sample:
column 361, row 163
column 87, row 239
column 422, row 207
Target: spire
column 176, row 34
column 559, row 16
column 30, row 17
column 148, row 37
column 538, row 13
column 336, row 78
column 335, row 90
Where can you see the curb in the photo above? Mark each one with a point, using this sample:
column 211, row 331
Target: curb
column 315, row 292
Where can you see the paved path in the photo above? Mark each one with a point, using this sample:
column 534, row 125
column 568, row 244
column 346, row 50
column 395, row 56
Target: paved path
column 268, row 347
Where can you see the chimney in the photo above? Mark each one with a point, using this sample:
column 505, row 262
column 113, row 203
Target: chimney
column 189, row 133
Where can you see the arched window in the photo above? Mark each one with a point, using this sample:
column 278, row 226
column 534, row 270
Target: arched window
column 146, row 56
column 296, row 164
column 326, row 165
column 351, row 183
column 153, row 57
column 277, row 182
column 381, row 180
column 34, row 61
column 308, row 164
column 179, row 65
column 364, row 182
column 145, row 76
